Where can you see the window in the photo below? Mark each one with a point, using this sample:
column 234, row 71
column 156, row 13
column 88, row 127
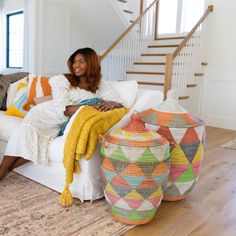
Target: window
column 178, row 16
column 15, row 34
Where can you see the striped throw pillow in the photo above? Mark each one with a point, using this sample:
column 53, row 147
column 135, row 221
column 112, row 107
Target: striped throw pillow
column 15, row 108
column 38, row 86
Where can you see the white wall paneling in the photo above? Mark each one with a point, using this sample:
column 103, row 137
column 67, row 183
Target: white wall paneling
column 219, row 98
column 219, row 101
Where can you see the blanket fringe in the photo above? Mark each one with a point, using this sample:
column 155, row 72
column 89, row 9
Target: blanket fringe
column 66, row 197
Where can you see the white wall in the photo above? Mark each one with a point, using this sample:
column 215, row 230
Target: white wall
column 101, row 20
column 61, row 27
column 219, row 97
column 54, row 33
column 7, row 7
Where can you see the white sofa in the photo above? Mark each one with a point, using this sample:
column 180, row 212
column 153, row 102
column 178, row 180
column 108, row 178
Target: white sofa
column 87, row 185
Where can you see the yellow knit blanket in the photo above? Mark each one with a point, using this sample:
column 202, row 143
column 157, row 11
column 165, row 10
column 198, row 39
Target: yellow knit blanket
column 82, row 140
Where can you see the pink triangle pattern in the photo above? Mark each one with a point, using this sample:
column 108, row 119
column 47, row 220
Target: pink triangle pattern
column 111, row 198
column 156, row 201
column 196, row 167
column 134, row 203
column 177, row 170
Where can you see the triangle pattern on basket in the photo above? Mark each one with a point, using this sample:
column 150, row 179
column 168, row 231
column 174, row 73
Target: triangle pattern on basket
column 190, row 150
column 178, row 134
column 190, row 137
column 132, row 154
column 177, row 170
column 184, row 186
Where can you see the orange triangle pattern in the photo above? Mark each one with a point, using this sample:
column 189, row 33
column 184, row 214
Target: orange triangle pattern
column 133, row 169
column 190, row 137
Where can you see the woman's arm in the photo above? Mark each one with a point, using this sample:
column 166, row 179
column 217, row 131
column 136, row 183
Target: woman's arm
column 109, row 105
column 71, row 109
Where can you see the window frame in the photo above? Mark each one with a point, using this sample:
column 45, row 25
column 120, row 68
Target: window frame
column 8, row 39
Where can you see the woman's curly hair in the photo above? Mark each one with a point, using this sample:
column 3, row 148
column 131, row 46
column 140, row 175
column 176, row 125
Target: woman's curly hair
column 93, row 71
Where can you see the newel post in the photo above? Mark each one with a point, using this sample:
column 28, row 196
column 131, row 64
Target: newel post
column 168, row 73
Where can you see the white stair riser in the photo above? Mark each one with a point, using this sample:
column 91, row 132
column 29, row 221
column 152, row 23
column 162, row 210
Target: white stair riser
column 165, row 42
column 152, row 87
column 153, row 59
column 149, row 68
column 161, row 50
column 146, row 78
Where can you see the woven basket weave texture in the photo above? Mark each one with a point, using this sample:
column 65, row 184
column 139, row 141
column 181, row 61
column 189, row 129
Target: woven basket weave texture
column 135, row 164
column 186, row 135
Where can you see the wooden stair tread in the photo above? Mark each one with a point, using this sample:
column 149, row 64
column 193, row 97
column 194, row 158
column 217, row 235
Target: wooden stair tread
column 154, row 55
column 191, row 85
column 164, row 46
column 127, row 11
column 170, row 38
column 124, row 1
column 145, row 72
column 150, row 83
column 183, row 97
column 150, row 63
column 198, row 74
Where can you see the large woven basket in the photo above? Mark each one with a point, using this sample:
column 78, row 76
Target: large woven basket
column 135, row 163
column 186, row 135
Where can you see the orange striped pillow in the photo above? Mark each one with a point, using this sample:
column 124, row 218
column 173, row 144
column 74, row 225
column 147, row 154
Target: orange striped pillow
column 38, row 86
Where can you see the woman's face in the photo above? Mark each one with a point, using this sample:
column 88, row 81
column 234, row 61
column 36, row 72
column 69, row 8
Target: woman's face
column 79, row 65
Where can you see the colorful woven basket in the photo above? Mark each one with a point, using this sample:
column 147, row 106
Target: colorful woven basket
column 186, row 135
column 135, row 163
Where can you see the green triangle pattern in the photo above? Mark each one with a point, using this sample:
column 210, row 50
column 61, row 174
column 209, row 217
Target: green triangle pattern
column 147, row 156
column 119, row 155
column 187, row 176
column 132, row 215
column 102, row 150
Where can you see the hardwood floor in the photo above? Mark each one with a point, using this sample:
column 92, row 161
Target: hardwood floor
column 210, row 208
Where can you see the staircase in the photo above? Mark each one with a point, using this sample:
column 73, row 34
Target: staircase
column 161, row 64
column 149, row 71
column 127, row 11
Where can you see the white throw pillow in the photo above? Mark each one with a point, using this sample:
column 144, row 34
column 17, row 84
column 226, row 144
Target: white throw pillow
column 12, row 90
column 126, row 90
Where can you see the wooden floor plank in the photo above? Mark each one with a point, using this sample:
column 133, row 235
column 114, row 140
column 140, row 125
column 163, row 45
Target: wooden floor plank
column 210, row 208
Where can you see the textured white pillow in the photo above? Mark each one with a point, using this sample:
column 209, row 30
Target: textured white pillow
column 12, row 90
column 126, row 90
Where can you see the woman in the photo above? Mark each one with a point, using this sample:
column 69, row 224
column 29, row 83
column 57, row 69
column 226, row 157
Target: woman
column 42, row 123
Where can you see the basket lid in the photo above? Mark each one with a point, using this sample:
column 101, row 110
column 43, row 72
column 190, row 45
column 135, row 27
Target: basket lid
column 135, row 134
column 170, row 114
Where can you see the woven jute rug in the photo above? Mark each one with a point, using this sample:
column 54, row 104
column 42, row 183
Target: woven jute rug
column 28, row 208
column 231, row 144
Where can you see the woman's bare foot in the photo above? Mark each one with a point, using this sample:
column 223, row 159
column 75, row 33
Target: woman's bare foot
column 3, row 172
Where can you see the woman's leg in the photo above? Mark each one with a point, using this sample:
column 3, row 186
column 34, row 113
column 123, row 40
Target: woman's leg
column 7, row 162
column 19, row 162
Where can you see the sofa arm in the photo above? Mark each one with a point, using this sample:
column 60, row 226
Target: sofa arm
column 146, row 98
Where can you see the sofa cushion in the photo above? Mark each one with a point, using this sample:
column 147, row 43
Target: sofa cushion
column 126, row 90
column 8, row 125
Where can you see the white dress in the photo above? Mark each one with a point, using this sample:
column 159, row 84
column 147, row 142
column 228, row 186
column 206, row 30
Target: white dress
column 43, row 122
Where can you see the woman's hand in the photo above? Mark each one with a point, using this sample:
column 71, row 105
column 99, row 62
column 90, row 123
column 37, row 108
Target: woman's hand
column 70, row 110
column 106, row 106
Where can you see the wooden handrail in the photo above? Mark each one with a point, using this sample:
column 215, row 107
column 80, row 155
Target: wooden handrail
column 168, row 74
column 126, row 31
column 189, row 35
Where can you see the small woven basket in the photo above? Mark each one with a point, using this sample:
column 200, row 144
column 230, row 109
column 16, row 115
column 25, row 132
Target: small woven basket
column 186, row 135
column 135, row 163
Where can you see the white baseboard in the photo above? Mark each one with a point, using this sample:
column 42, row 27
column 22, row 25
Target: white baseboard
column 221, row 122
